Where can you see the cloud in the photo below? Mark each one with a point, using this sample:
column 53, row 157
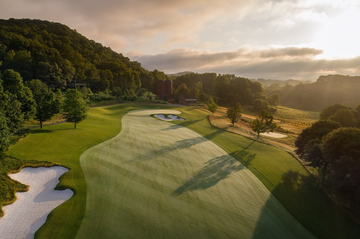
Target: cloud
column 233, row 36
column 277, row 63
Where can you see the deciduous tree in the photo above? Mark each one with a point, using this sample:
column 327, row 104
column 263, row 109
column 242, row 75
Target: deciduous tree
column 74, row 109
column 46, row 103
column 212, row 106
column 264, row 123
column 234, row 112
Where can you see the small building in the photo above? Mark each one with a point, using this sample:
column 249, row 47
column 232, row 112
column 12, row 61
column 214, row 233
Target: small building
column 187, row 100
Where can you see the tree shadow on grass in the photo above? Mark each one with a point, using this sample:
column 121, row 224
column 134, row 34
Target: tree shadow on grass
column 46, row 131
column 178, row 145
column 309, row 205
column 184, row 123
column 214, row 171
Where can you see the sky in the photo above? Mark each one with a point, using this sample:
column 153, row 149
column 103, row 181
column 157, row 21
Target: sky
column 271, row 39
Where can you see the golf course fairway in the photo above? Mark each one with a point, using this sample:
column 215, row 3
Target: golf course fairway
column 160, row 180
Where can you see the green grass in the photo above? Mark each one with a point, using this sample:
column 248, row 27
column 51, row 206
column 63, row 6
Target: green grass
column 159, row 180
column 9, row 187
column 285, row 177
column 63, row 145
column 277, row 170
column 296, row 115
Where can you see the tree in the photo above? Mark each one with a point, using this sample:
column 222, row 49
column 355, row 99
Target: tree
column 341, row 150
column 316, row 131
column 74, row 109
column 221, row 86
column 212, row 106
column 264, row 123
column 13, row 85
column 346, row 117
column 4, row 133
column 331, row 110
column 274, row 100
column 259, row 105
column 234, row 112
column 46, row 103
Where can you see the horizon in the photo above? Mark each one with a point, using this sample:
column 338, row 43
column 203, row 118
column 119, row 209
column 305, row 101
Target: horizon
column 268, row 39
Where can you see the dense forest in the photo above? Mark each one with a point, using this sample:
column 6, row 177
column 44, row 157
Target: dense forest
column 332, row 146
column 225, row 89
column 59, row 57
column 327, row 90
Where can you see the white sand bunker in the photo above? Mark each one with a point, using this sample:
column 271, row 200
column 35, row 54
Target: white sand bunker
column 274, row 135
column 29, row 212
column 170, row 117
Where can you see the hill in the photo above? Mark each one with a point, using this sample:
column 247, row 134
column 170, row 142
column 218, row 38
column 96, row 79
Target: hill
column 327, row 90
column 60, row 56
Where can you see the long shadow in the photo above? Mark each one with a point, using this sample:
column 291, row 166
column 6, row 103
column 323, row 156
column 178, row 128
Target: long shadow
column 214, row 171
column 243, row 156
column 178, row 145
column 184, row 123
column 310, row 207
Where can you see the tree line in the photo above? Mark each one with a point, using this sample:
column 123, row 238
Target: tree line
column 327, row 90
column 225, row 90
column 21, row 101
column 332, row 146
column 59, row 57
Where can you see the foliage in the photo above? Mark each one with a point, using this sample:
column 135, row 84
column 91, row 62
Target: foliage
column 212, row 106
column 331, row 110
column 234, row 113
column 13, row 84
column 59, row 56
column 226, row 88
column 341, row 150
column 347, row 117
column 74, row 108
column 327, row 90
column 4, row 133
column 274, row 100
column 264, row 123
column 316, row 131
column 46, row 102
column 9, row 187
column 260, row 105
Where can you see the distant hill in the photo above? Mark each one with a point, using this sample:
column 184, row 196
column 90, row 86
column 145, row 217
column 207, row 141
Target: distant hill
column 59, row 56
column 180, row 73
column 327, row 90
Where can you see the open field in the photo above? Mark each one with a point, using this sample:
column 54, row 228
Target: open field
column 159, row 180
column 277, row 170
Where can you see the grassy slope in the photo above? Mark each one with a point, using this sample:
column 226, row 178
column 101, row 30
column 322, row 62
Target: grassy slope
column 155, row 180
column 64, row 145
column 279, row 172
column 284, row 177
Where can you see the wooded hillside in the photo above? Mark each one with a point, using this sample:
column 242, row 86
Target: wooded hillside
column 327, row 90
column 59, row 56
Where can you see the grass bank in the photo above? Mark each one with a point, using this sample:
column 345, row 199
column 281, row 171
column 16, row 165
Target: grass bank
column 278, row 171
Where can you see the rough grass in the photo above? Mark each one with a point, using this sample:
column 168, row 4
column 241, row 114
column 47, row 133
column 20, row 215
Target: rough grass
column 277, row 170
column 159, row 180
column 286, row 113
column 9, row 187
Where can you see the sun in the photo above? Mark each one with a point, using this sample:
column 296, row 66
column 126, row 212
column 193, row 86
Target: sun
column 339, row 37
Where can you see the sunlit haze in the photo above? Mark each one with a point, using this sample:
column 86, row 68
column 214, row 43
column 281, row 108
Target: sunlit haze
column 270, row 39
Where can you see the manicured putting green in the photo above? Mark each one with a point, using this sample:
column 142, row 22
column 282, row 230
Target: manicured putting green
column 160, row 180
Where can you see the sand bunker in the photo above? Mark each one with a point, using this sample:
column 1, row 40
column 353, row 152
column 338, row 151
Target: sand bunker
column 171, row 117
column 274, row 135
column 29, row 212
